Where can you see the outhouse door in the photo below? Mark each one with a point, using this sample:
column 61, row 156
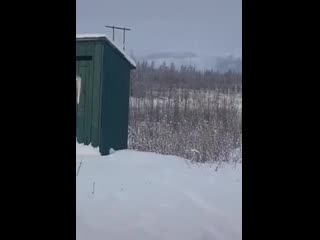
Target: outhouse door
column 84, row 107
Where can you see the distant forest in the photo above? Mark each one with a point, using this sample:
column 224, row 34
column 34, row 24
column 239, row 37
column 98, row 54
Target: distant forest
column 165, row 77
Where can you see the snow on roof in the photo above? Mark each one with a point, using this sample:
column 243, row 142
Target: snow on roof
column 112, row 43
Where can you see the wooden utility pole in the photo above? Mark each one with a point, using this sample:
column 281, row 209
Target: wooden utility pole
column 124, row 33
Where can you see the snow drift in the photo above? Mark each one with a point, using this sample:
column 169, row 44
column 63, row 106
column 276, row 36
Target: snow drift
column 146, row 196
column 83, row 150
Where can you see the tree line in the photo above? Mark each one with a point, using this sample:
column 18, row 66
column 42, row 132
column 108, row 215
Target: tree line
column 167, row 76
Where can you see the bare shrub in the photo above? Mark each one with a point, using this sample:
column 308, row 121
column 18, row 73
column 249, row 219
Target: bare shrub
column 185, row 112
column 200, row 125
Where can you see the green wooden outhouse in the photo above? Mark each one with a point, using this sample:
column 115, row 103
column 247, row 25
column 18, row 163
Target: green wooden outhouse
column 103, row 70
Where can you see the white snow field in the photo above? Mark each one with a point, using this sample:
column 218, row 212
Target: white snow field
column 146, row 196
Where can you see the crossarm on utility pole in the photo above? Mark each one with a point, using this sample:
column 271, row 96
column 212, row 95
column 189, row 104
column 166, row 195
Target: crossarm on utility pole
column 119, row 28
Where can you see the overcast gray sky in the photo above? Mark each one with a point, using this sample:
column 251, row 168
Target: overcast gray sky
column 205, row 27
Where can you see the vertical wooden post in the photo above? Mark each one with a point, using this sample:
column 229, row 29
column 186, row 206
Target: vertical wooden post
column 124, row 39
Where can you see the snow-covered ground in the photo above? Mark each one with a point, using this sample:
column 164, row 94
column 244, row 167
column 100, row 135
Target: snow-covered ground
column 83, row 150
column 146, row 196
